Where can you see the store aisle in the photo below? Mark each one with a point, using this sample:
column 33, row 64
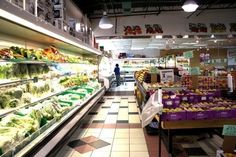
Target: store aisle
column 112, row 129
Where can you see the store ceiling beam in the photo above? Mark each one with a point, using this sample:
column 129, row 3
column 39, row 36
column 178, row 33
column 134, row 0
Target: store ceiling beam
column 208, row 6
column 148, row 3
column 201, row 7
column 151, row 12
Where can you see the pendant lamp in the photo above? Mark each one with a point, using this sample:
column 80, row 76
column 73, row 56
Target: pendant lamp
column 190, row 6
column 105, row 23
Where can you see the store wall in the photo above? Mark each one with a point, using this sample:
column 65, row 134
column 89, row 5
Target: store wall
column 173, row 23
column 149, row 53
column 72, row 11
column 195, row 61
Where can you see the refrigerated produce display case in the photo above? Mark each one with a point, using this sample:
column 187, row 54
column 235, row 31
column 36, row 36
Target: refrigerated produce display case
column 130, row 65
column 48, row 83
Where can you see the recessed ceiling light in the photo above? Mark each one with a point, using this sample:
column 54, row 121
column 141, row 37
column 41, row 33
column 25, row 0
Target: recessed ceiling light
column 155, row 44
column 152, row 47
column 185, row 36
column 212, row 36
column 197, row 41
column 230, row 36
column 158, row 36
column 189, row 43
column 173, row 41
column 190, row 6
column 215, row 41
column 137, row 48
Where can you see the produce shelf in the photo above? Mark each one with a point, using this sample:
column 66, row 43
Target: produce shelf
column 5, row 112
column 21, row 61
column 81, row 109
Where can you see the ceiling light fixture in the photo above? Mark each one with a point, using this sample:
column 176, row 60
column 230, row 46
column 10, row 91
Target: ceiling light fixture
column 197, row 41
column 105, row 23
column 158, row 36
column 137, row 48
column 212, row 36
column 185, row 36
column 190, row 6
column 215, row 41
column 230, row 36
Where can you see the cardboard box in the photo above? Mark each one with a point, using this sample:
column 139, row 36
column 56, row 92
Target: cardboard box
column 153, row 78
column 229, row 144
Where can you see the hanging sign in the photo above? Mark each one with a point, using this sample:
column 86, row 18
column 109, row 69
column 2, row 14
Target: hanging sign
column 218, row 28
column 197, row 27
column 188, row 54
column 194, row 71
column 229, row 130
column 167, row 75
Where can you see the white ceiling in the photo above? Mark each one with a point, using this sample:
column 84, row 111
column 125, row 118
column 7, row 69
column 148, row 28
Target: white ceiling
column 125, row 45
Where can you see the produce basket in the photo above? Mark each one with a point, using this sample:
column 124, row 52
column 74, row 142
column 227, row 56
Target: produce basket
column 203, row 98
column 199, row 115
column 210, row 97
column 174, row 116
column 224, row 114
column 28, row 139
column 193, row 98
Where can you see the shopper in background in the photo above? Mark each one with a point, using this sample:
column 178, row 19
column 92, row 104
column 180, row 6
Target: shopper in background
column 117, row 73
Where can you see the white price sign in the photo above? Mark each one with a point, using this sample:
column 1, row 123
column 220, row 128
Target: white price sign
column 167, row 75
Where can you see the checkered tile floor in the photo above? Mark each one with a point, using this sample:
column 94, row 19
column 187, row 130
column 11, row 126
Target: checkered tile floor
column 113, row 129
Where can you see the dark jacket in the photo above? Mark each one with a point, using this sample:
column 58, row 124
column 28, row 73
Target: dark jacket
column 117, row 71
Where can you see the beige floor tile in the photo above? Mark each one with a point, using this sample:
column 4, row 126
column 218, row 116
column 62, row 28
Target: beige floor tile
column 107, row 136
column 114, row 110
column 95, row 131
column 77, row 154
column 122, row 135
column 133, row 109
column 115, row 105
column 139, row 154
column 123, row 117
column 137, row 141
column 96, row 134
column 120, row 148
column 138, row 148
column 103, row 111
column 104, row 149
column 100, row 154
column 124, row 103
column 107, row 133
column 111, row 119
column 109, row 140
column 137, row 135
column 121, row 141
column 122, row 131
column 134, row 119
column 136, row 131
column 123, row 110
column 119, row 154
